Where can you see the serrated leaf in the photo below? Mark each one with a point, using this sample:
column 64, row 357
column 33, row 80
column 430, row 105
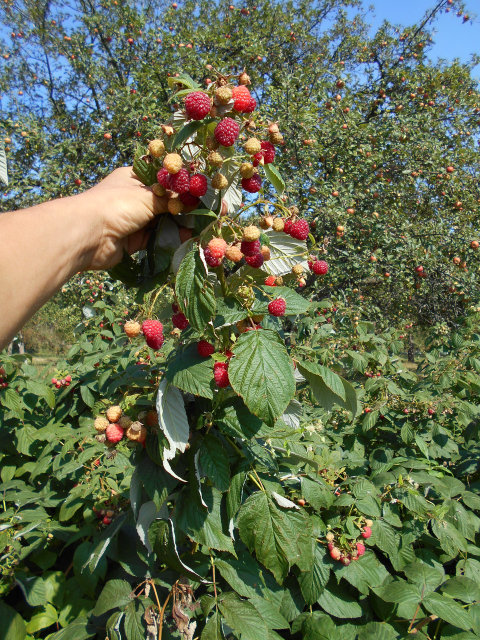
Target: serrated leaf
column 79, row 629
column 336, row 602
column 262, row 374
column 243, row 618
column 214, row 462
column 295, row 303
column 448, row 610
column 3, row 164
column 12, row 623
column 188, row 371
column 115, row 594
column 173, row 421
column 328, row 387
column 313, row 582
column 213, row 629
column 186, row 132
column 234, row 418
column 184, row 79
column 274, row 177
column 285, row 252
column 145, row 171
column 195, row 294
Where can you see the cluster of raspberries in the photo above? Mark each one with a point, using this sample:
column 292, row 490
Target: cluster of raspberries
column 346, row 556
column 198, row 104
column 318, row 267
column 249, row 248
column 293, row 226
column 174, row 177
column 114, row 426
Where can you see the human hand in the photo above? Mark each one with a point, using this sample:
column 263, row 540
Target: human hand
column 120, row 212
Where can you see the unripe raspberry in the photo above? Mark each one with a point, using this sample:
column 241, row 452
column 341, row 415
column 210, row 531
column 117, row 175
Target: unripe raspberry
column 270, row 281
column 101, row 437
column 253, row 184
column 217, row 247
column 137, row 435
column 151, row 418
column 244, row 78
column 241, row 98
column 368, row 522
column 276, row 138
column 330, row 536
column 215, row 159
column 297, row 269
column 101, row 424
column 250, row 248
column 158, row 189
column 163, row 178
column 211, row 143
column 273, row 128
column 219, row 181
column 198, row 185
column 265, row 251
column 320, row 267
column 279, row 281
column 345, row 560
column 114, row 433
column 233, row 253
column 335, row 553
column 172, row 163
column 251, row 233
column 300, row 230
column 366, row 533
column 226, row 131
column 277, row 307
column 278, row 224
column 125, row 422
column 179, row 320
column 175, row 206
column 180, row 182
column 220, row 374
column 266, row 222
column 210, row 259
column 247, row 169
column 252, row 146
column 197, row 105
column 223, row 95
column 132, row 328
column 205, row 348
column 156, row 148
column 114, row 413
column 255, row 261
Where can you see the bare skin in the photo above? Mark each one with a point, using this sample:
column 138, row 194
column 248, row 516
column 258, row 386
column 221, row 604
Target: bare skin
column 42, row 247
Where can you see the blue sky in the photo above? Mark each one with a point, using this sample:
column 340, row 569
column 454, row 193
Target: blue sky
column 453, row 39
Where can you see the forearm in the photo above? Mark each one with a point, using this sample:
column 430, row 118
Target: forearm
column 40, row 249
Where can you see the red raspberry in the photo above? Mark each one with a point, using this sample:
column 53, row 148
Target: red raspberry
column 253, row 184
column 220, row 374
column 366, row 533
column 335, row 553
column 205, row 348
column 241, row 98
column 106, row 520
column 114, row 432
column 163, row 178
column 330, row 546
column 179, row 320
column 153, row 332
column 268, row 151
column 175, row 307
column 277, row 307
column 320, row 267
column 300, row 230
column 250, row 248
column 270, row 281
column 288, row 225
column 210, row 259
column 197, row 105
column 188, row 199
column 198, row 185
column 217, row 247
column 226, row 132
column 252, row 105
column 360, row 548
column 255, row 261
column 180, row 181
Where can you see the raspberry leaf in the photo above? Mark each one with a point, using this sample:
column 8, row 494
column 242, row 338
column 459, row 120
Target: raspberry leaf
column 214, row 462
column 262, row 374
column 328, row 387
column 183, row 79
column 145, row 171
column 3, row 164
column 191, row 373
column 195, row 293
column 243, row 618
column 274, row 177
column 285, row 252
column 172, row 420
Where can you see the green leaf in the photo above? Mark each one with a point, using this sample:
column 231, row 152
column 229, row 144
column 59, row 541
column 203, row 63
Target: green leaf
column 79, row 629
column 335, row 601
column 400, row 592
column 462, row 588
column 115, row 594
column 243, row 618
column 317, row 493
column 328, row 387
column 269, row 612
column 427, row 577
column 312, row 582
column 135, row 625
column 194, row 292
column 234, row 418
column 145, row 171
column 229, row 312
column 295, row 303
column 451, row 540
column 213, row 628
column 448, row 610
column 33, row 589
column 274, row 177
column 191, row 373
column 183, row 79
column 271, row 532
column 43, row 619
column 173, row 421
column 378, row 631
column 13, row 625
column 214, row 462
column 12, row 400
column 365, row 574
column 187, row 131
column 285, row 252
column 262, row 374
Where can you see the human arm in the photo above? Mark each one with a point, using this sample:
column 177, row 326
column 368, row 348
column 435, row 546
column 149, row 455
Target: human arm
column 43, row 246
